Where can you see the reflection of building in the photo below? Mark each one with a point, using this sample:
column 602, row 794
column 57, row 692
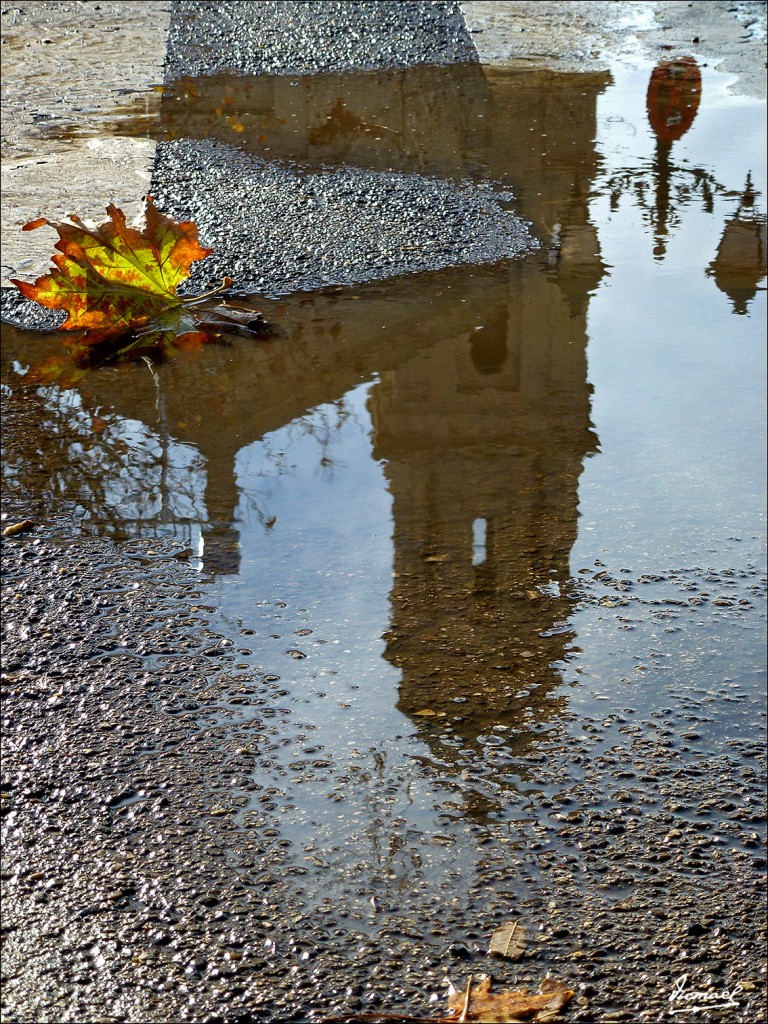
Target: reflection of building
column 742, row 255
column 543, row 140
column 481, row 412
column 483, row 437
column 422, row 118
column 532, row 130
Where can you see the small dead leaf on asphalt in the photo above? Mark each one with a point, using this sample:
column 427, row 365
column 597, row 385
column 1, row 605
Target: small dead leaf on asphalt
column 509, row 941
column 11, row 531
column 477, row 1004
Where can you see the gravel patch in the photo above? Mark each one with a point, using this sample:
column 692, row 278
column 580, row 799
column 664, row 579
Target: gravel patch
column 288, row 229
column 303, row 38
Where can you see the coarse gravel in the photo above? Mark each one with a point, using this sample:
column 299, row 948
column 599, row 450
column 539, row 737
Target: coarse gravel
column 272, row 37
column 289, row 229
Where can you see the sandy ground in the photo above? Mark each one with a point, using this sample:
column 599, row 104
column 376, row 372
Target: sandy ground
column 50, row 94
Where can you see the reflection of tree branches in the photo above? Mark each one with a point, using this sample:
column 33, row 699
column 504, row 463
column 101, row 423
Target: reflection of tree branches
column 272, row 456
column 117, row 471
column 661, row 189
column 325, row 424
column 641, row 182
column 660, row 198
column 385, row 834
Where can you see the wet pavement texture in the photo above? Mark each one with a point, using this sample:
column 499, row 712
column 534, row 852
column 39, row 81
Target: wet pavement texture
column 153, row 872
column 444, row 607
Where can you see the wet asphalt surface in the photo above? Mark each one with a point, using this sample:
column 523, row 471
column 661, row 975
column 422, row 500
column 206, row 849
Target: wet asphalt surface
column 139, row 888
column 135, row 885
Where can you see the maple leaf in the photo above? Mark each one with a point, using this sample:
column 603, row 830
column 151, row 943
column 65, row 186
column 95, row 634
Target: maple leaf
column 113, row 277
column 117, row 283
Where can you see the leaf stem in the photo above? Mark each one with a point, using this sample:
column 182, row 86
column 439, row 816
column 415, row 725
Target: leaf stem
column 464, row 1012
column 512, row 931
column 226, row 283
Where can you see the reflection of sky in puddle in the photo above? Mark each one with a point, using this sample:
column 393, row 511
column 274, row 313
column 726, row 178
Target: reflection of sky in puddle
column 327, row 559
column 679, row 409
column 395, row 529
column 303, row 481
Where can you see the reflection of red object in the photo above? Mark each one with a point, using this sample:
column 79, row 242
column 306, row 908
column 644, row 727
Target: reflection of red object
column 674, row 93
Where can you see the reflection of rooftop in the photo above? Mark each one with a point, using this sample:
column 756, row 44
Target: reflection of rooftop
column 449, row 121
column 742, row 256
column 528, row 130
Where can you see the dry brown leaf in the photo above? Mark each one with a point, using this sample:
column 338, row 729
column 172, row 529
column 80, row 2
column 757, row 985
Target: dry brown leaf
column 509, row 941
column 476, row 1004
column 11, row 531
column 481, row 1006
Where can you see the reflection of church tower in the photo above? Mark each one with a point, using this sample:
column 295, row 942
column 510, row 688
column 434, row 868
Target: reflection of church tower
column 544, row 131
column 483, row 437
column 741, row 262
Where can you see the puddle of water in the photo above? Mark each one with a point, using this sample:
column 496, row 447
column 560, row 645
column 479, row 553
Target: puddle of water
column 679, row 402
column 447, row 518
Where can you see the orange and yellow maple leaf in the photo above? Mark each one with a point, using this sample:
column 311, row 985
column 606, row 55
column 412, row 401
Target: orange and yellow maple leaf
column 112, row 278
